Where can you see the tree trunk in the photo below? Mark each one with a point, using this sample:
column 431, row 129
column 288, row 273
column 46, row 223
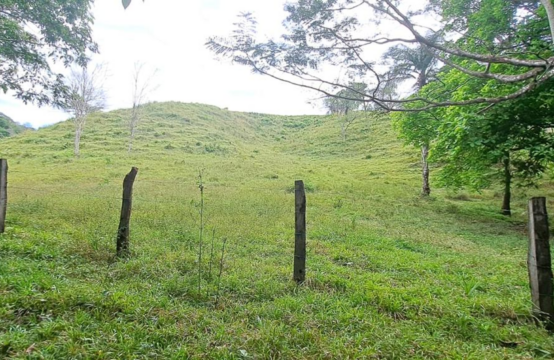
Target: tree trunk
column 131, row 138
column 506, row 203
column 133, row 127
column 421, row 79
column 426, row 189
column 78, row 131
column 550, row 15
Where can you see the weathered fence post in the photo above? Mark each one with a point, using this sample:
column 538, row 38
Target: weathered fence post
column 300, row 234
column 3, row 193
column 540, row 263
column 126, row 206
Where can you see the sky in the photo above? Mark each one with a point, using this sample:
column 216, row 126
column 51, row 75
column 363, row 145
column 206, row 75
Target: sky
column 169, row 35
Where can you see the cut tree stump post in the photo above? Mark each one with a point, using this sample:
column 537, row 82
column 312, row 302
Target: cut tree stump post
column 540, row 263
column 126, row 206
column 3, row 194
column 300, row 234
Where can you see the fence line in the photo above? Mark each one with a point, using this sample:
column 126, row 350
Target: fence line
column 123, row 232
column 299, row 271
column 62, row 191
column 194, row 187
column 105, row 197
column 185, row 184
column 539, row 260
column 3, row 193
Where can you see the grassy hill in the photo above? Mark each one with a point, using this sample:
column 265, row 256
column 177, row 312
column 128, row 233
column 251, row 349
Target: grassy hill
column 8, row 127
column 390, row 275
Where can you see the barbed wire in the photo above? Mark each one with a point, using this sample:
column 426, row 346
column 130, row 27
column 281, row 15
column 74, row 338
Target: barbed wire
column 82, row 194
column 58, row 189
column 119, row 181
column 64, row 190
column 96, row 187
column 250, row 191
column 88, row 177
column 88, row 195
column 183, row 184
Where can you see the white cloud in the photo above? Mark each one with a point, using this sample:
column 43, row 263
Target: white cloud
column 170, row 35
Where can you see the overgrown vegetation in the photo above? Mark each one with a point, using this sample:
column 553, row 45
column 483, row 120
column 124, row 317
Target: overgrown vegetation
column 390, row 274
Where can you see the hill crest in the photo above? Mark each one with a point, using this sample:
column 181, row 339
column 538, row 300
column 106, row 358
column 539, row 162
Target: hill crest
column 176, row 129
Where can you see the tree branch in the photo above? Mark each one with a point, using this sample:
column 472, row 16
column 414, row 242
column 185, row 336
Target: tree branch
column 405, row 21
column 550, row 14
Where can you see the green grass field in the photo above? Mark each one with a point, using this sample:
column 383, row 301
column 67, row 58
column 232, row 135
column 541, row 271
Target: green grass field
column 390, row 275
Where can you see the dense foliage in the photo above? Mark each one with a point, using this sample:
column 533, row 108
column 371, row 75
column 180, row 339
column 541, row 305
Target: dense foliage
column 510, row 142
column 477, row 146
column 36, row 34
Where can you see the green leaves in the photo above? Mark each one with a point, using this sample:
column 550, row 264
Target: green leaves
column 33, row 37
column 471, row 145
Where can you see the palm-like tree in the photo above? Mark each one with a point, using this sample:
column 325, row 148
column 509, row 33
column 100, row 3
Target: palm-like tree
column 419, row 64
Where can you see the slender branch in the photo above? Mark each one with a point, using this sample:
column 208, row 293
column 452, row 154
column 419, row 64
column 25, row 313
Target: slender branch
column 386, row 103
column 283, row 62
column 488, row 75
column 405, row 21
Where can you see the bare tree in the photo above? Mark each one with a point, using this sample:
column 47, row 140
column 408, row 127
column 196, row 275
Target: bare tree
column 348, row 110
column 86, row 95
column 143, row 86
column 348, row 119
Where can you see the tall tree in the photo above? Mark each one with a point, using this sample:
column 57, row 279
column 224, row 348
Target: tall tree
column 473, row 141
column 345, row 34
column 418, row 64
column 34, row 35
column 509, row 143
column 143, row 85
column 86, row 95
column 419, row 129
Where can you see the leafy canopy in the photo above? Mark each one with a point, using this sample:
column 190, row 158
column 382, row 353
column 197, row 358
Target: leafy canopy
column 34, row 34
column 472, row 145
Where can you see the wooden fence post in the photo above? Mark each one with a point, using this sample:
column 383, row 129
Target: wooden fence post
column 126, row 206
column 540, row 263
column 300, row 234
column 3, row 193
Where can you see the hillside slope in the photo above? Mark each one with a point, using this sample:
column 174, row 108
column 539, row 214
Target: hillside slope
column 390, row 275
column 8, row 127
